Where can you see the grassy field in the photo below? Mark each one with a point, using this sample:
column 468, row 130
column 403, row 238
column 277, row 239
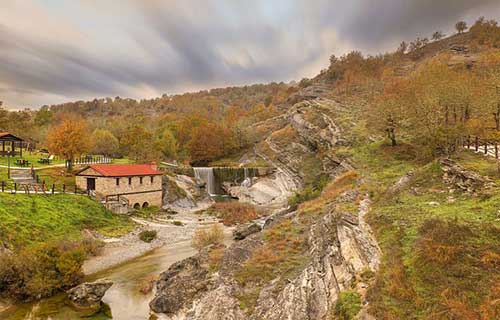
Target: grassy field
column 441, row 247
column 26, row 220
column 32, row 157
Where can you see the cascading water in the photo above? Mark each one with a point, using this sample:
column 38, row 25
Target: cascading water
column 207, row 176
column 215, row 177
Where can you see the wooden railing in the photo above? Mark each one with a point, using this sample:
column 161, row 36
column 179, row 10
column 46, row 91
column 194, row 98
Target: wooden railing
column 91, row 160
column 40, row 188
column 486, row 146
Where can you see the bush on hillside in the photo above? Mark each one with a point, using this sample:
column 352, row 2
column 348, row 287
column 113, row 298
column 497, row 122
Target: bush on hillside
column 348, row 305
column 232, row 213
column 41, row 271
column 205, row 237
column 148, row 235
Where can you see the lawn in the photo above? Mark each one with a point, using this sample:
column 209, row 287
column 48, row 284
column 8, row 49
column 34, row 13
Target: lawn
column 32, row 157
column 32, row 219
column 441, row 247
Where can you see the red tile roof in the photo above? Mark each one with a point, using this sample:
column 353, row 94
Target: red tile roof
column 13, row 137
column 125, row 170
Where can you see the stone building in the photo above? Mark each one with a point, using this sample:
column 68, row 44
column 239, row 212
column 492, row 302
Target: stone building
column 122, row 186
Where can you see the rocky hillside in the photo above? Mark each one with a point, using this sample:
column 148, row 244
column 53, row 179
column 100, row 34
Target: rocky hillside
column 315, row 257
column 305, row 255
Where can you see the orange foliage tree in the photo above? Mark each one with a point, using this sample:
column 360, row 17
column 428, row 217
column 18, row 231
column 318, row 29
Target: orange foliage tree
column 69, row 139
column 210, row 141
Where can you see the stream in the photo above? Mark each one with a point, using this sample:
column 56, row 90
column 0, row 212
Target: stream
column 124, row 298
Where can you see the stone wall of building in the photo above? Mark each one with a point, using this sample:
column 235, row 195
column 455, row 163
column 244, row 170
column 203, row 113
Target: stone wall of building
column 145, row 189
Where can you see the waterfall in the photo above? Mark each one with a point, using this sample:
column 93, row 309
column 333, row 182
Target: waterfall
column 206, row 175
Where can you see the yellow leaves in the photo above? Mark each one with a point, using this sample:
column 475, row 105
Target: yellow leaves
column 69, row 139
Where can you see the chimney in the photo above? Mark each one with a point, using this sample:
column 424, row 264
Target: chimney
column 154, row 166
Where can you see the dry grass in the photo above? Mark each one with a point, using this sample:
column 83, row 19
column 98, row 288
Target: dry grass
column 282, row 256
column 215, row 257
column 335, row 188
column 232, row 213
column 205, row 237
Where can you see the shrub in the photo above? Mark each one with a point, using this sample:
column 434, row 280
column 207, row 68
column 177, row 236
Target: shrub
column 40, row 271
column 348, row 305
column 215, row 257
column 148, row 235
column 233, row 213
column 177, row 223
column 205, row 237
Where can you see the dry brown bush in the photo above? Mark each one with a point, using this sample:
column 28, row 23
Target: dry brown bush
column 233, row 213
column 205, row 237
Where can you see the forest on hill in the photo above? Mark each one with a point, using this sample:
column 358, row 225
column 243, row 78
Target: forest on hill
column 420, row 91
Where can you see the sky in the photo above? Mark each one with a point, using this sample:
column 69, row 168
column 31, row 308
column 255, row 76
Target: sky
column 54, row 51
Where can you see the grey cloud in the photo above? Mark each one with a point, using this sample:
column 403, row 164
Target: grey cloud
column 171, row 46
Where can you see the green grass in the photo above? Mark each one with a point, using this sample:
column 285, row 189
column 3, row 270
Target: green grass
column 348, row 305
column 32, row 157
column 32, row 219
column 123, row 161
column 435, row 243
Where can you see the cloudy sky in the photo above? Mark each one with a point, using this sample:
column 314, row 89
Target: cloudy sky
column 53, row 51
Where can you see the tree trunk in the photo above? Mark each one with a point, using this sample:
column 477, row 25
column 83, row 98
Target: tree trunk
column 392, row 136
column 70, row 165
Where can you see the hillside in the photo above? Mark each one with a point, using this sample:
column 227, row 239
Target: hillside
column 27, row 220
column 362, row 145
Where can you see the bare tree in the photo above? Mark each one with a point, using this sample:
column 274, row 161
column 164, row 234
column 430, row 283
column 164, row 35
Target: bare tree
column 438, row 35
column 461, row 26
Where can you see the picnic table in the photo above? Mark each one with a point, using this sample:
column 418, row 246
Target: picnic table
column 46, row 160
column 23, row 162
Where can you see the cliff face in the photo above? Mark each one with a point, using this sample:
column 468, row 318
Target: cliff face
column 338, row 246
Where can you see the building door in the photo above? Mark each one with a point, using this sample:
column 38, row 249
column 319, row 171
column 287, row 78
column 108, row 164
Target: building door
column 90, row 184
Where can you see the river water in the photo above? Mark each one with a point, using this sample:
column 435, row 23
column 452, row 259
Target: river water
column 124, row 297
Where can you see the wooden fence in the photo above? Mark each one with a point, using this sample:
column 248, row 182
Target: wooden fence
column 90, row 160
column 486, row 146
column 40, row 188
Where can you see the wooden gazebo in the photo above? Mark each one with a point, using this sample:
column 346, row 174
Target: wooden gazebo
column 8, row 139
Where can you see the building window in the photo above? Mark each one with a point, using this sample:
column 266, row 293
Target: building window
column 140, row 180
column 117, row 181
column 152, row 179
column 129, row 181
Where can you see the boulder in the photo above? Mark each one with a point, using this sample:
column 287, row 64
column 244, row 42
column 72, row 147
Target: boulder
column 88, row 295
column 461, row 178
column 243, row 231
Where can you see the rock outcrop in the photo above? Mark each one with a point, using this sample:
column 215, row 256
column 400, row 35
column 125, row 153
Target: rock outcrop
column 243, row 231
column 88, row 295
column 341, row 247
column 463, row 179
column 181, row 284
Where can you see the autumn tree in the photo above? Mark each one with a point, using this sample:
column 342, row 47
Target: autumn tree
column 69, row 139
column 210, row 141
column 167, row 144
column 104, row 142
column 461, row 26
column 139, row 144
column 389, row 114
